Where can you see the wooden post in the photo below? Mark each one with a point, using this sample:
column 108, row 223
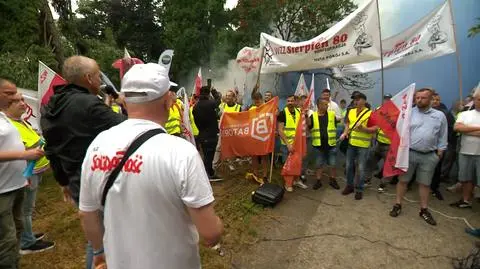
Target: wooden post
column 271, row 166
column 381, row 50
column 457, row 54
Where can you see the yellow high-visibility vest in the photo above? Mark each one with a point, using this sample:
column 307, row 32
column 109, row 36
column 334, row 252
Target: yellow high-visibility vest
column 331, row 130
column 382, row 138
column 359, row 139
column 116, row 108
column 290, row 125
column 174, row 119
column 252, row 107
column 226, row 108
column 31, row 139
column 192, row 121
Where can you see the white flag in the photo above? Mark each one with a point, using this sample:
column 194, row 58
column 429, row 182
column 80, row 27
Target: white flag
column 47, row 80
column 301, row 87
column 186, row 124
column 429, row 38
column 354, row 39
column 165, row 59
column 312, row 90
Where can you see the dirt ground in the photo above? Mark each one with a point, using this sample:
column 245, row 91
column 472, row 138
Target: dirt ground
column 308, row 229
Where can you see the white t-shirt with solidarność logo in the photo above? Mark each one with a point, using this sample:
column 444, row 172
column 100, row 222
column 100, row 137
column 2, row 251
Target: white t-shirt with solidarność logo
column 146, row 222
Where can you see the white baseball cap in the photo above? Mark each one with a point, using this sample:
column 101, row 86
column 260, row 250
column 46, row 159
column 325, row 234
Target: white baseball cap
column 151, row 79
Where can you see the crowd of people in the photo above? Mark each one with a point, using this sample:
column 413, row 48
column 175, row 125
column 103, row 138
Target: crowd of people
column 130, row 169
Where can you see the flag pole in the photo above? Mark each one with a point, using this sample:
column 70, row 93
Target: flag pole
column 257, row 85
column 381, row 49
column 457, row 53
column 271, row 166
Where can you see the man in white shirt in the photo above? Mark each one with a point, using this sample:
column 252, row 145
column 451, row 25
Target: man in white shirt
column 161, row 201
column 468, row 124
column 12, row 163
column 332, row 106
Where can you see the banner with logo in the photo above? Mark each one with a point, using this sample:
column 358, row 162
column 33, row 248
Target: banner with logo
column 165, row 59
column 429, row 38
column 47, row 80
column 249, row 133
column 354, row 39
column 248, row 59
column 32, row 114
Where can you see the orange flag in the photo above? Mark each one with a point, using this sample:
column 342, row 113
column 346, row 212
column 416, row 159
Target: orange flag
column 293, row 165
column 249, row 133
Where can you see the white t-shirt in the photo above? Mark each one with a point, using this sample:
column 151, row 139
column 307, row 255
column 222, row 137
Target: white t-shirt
column 469, row 144
column 11, row 172
column 146, row 222
column 335, row 108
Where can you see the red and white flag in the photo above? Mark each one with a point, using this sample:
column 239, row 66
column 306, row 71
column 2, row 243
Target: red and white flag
column 312, row 92
column 293, row 165
column 186, row 124
column 301, row 87
column 125, row 63
column 393, row 117
column 47, row 80
column 198, row 82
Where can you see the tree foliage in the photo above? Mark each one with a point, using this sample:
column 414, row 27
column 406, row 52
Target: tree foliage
column 474, row 30
column 201, row 32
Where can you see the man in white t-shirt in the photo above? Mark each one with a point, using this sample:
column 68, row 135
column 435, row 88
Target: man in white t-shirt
column 332, row 106
column 12, row 163
column 468, row 124
column 161, row 201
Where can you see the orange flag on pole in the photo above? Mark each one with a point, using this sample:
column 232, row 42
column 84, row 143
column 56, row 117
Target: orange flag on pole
column 293, row 165
column 249, row 133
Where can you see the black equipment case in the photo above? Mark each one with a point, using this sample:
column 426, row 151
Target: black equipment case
column 268, row 194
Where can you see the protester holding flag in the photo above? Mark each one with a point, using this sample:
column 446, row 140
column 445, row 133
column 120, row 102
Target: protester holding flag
column 359, row 139
column 324, row 131
column 70, row 121
column 174, row 122
column 428, row 141
column 287, row 121
column 230, row 104
column 259, row 160
column 29, row 242
column 268, row 96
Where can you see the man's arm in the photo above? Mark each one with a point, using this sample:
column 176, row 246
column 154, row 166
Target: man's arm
column 442, row 137
column 93, row 229
column 103, row 117
column 465, row 129
column 30, row 154
column 209, row 225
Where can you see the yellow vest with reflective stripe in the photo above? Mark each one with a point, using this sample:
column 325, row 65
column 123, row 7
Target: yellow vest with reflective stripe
column 252, row 107
column 174, row 119
column 331, row 130
column 192, row 121
column 290, row 125
column 382, row 138
column 31, row 139
column 359, row 139
column 235, row 108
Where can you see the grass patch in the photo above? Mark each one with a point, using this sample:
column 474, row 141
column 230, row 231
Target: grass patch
column 60, row 221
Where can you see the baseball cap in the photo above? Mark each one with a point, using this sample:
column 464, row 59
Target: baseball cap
column 359, row 95
column 149, row 79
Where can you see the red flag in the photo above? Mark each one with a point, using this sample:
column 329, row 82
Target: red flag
column 125, row 63
column 198, row 82
column 47, row 80
column 293, row 165
column 393, row 117
column 249, row 133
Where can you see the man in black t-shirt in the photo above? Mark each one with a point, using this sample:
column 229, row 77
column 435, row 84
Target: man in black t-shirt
column 323, row 128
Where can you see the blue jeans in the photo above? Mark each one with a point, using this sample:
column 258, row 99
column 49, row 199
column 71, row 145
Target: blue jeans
column 27, row 238
column 356, row 155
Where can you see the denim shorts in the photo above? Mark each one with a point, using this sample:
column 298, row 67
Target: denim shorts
column 421, row 164
column 326, row 157
column 468, row 168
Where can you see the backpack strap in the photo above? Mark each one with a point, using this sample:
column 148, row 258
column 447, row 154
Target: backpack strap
column 130, row 150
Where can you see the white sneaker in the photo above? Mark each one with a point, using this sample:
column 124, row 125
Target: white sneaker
column 455, row 187
column 231, row 167
column 300, row 184
column 288, row 189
